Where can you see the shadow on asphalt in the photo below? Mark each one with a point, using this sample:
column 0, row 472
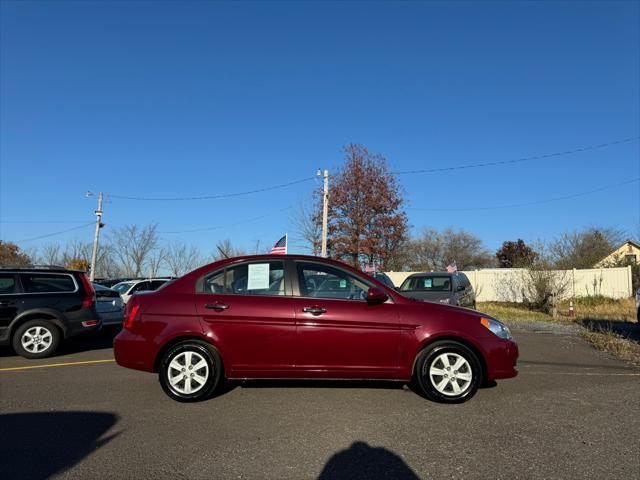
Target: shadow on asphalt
column 40, row 445
column 360, row 462
column 628, row 330
column 98, row 341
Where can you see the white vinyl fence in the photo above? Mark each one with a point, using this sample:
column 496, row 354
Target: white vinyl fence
column 506, row 284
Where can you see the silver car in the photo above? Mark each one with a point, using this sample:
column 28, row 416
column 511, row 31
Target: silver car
column 109, row 305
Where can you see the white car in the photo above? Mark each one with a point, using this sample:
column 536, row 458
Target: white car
column 128, row 288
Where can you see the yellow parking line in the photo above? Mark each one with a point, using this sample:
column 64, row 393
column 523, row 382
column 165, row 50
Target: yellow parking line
column 55, row 365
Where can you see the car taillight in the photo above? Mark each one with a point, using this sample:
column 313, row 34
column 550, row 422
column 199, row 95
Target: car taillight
column 89, row 299
column 130, row 316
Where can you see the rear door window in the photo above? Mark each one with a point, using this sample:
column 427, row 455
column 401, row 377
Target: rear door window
column 47, row 283
column 7, row 284
column 260, row 278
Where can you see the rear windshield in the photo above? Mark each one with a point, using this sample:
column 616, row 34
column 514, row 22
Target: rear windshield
column 427, row 284
column 47, row 283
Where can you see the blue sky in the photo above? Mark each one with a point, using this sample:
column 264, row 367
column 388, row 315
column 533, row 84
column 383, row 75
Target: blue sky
column 174, row 99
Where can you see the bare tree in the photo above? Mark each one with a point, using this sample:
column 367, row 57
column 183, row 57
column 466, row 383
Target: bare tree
column 156, row 258
column 50, row 254
column 225, row 249
column 181, row 259
column 76, row 253
column 434, row 250
column 106, row 264
column 133, row 246
column 306, row 225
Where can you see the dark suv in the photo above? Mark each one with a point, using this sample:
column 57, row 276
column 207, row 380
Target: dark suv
column 440, row 287
column 41, row 306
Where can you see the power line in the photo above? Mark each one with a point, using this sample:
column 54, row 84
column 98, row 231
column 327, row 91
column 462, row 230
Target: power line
column 211, row 197
column 55, row 233
column 400, row 172
column 42, row 221
column 517, row 160
column 217, row 227
column 526, row 204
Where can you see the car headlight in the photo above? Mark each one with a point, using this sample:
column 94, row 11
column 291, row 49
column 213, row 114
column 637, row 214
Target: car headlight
column 445, row 300
column 497, row 328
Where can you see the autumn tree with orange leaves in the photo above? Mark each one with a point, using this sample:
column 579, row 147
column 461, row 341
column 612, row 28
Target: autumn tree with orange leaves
column 366, row 220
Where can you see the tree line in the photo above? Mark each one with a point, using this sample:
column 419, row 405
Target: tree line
column 130, row 251
column 367, row 226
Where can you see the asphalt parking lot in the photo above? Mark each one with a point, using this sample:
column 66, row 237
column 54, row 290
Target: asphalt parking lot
column 573, row 412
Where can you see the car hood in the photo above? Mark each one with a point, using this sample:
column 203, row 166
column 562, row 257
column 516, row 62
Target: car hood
column 428, row 296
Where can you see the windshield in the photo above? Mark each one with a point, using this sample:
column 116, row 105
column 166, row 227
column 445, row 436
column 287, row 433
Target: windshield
column 122, row 287
column 427, row 284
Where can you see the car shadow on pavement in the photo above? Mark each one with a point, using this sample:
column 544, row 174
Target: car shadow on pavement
column 230, row 385
column 40, row 445
column 319, row 383
column 628, row 330
column 97, row 341
column 361, row 461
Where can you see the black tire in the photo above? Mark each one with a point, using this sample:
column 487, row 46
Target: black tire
column 432, row 357
column 198, row 350
column 44, row 334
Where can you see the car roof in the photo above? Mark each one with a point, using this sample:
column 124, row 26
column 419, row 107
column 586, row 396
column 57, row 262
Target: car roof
column 267, row 256
column 41, row 269
column 431, row 274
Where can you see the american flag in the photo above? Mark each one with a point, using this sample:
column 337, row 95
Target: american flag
column 280, row 248
column 452, row 267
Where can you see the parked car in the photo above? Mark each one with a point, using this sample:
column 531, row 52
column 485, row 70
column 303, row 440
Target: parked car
column 109, row 306
column 128, row 288
column 441, row 287
column 41, row 306
column 294, row 316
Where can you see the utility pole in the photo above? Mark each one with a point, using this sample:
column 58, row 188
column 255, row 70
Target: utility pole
column 325, row 211
column 99, row 225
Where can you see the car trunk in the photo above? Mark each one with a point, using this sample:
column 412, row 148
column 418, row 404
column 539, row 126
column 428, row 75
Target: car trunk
column 108, row 301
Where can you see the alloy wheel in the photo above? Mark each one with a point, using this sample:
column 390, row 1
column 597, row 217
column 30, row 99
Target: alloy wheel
column 188, row 372
column 450, row 374
column 36, row 339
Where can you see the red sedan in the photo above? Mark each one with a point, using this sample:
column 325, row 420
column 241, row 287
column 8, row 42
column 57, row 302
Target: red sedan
column 302, row 317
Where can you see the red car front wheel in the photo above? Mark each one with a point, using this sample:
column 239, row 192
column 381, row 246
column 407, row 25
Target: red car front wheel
column 448, row 372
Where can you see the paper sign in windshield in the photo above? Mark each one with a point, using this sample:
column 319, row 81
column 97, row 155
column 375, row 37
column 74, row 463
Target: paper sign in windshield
column 258, row 276
column 428, row 282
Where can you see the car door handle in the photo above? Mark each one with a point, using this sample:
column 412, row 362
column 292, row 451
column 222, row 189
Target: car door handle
column 216, row 306
column 6, row 303
column 314, row 310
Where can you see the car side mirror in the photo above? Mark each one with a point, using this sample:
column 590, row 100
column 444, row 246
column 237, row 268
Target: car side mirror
column 375, row 295
column 460, row 288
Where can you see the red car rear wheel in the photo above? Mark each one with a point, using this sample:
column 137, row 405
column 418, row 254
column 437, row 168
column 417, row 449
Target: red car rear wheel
column 190, row 371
